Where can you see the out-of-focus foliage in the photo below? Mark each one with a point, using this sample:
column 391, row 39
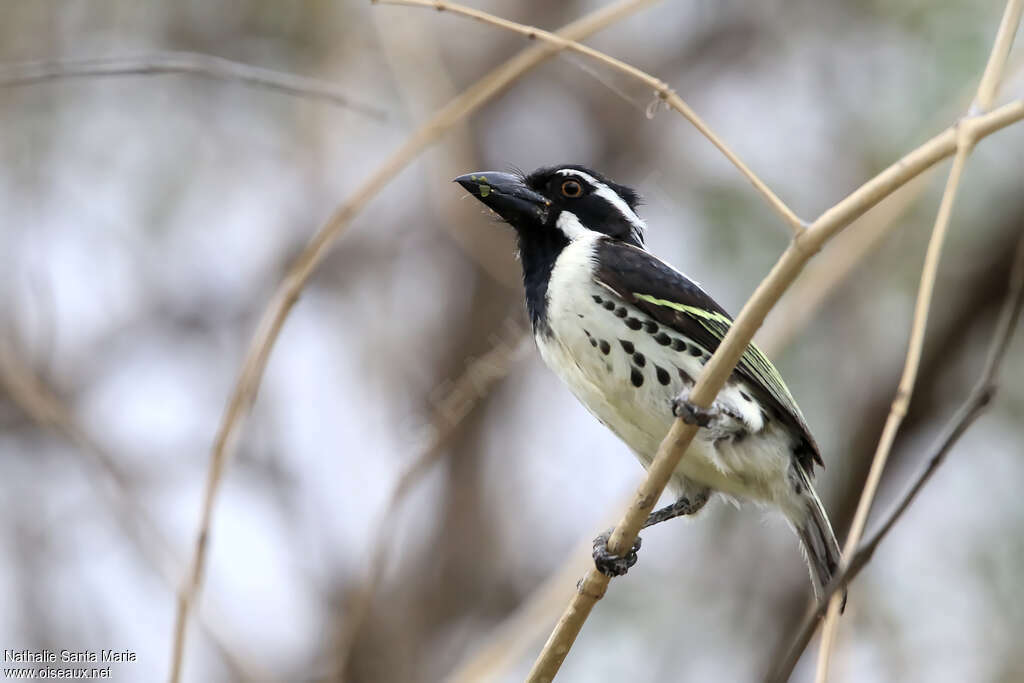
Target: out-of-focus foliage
column 145, row 220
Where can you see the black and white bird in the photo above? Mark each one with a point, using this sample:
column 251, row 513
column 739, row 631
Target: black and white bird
column 629, row 334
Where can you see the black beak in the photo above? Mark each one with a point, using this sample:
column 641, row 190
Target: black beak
column 506, row 195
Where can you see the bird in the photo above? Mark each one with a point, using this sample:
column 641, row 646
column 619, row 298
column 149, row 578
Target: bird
column 629, row 334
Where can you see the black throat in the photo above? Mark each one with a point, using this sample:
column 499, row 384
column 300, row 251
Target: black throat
column 538, row 252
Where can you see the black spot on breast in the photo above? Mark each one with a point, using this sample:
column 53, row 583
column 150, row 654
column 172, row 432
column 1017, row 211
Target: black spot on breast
column 639, row 359
column 662, row 374
column 685, row 376
column 662, row 339
column 609, row 305
column 695, row 351
column 597, row 299
column 627, row 346
column 586, row 332
column 593, row 342
column 621, row 311
column 605, row 347
column 678, row 345
column 739, row 437
column 632, row 323
column 651, row 326
column 636, row 377
column 745, row 395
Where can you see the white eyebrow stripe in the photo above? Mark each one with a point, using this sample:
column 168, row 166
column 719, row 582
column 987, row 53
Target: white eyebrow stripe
column 609, row 195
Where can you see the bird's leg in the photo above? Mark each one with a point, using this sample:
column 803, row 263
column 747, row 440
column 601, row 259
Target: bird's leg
column 683, row 506
column 617, row 565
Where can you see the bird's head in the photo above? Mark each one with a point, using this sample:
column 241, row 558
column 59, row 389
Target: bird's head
column 558, row 203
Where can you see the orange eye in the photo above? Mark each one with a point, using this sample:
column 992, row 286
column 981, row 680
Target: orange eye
column 572, row 189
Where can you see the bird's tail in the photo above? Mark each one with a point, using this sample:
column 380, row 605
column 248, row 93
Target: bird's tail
column 821, row 548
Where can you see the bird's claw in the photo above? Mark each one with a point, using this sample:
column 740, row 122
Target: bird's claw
column 691, row 414
column 613, row 565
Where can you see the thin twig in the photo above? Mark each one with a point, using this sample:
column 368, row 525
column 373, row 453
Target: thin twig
column 194, row 63
column 288, row 291
column 661, row 88
column 901, row 402
column 993, row 74
column 850, row 248
column 974, row 405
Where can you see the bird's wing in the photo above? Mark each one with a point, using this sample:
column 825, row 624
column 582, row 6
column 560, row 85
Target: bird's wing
column 677, row 302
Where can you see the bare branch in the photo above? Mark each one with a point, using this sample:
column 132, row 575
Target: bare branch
column 298, row 275
column 661, row 88
column 975, row 404
column 849, row 249
column 993, row 75
column 904, row 390
column 194, row 63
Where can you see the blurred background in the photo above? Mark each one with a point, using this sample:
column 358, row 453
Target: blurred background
column 146, row 220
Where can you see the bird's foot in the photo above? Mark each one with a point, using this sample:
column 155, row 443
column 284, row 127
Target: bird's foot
column 692, row 414
column 613, row 565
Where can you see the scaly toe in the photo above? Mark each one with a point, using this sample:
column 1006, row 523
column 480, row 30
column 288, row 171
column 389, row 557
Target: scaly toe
column 613, row 565
column 691, row 414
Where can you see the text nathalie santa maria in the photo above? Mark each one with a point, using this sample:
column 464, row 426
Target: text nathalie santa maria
column 53, row 656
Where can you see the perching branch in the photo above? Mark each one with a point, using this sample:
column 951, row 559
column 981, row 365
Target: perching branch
column 194, row 63
column 716, row 372
column 806, row 242
column 975, row 404
column 504, row 644
column 660, row 88
column 965, row 144
column 298, row 275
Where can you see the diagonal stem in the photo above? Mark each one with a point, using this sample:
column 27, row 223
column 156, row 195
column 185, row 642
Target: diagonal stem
column 965, row 144
column 194, row 63
column 905, row 389
column 969, row 411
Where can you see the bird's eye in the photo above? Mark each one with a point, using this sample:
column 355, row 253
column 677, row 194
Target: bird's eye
column 572, row 189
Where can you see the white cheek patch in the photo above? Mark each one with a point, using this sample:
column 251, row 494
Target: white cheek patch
column 570, row 225
column 610, row 196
